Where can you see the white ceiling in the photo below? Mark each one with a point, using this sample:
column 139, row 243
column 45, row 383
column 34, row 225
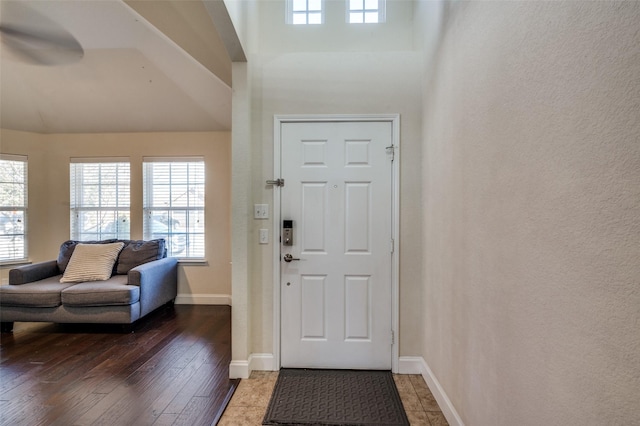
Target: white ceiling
column 132, row 77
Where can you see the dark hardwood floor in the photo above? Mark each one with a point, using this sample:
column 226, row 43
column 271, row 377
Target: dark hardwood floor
column 172, row 369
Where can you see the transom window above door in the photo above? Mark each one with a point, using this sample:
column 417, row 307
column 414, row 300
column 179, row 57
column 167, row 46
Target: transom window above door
column 305, row 12
column 366, row 11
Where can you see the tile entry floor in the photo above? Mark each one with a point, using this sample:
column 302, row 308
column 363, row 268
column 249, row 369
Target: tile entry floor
column 249, row 403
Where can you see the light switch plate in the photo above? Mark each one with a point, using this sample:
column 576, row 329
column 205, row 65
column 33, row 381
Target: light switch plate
column 264, row 236
column 261, row 211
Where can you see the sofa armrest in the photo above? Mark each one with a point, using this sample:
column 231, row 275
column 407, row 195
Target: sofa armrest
column 34, row 272
column 158, row 282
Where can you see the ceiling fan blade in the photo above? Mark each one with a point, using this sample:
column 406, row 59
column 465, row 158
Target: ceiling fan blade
column 37, row 39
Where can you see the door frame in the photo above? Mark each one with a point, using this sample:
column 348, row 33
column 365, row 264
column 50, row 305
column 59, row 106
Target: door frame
column 394, row 119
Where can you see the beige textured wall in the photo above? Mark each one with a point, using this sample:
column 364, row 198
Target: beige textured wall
column 49, row 194
column 532, row 213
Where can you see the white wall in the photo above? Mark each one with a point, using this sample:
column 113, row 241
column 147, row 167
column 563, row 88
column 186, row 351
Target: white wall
column 337, row 83
column 330, row 69
column 531, row 204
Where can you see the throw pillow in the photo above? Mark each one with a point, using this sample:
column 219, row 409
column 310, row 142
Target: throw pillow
column 91, row 262
column 66, row 250
column 138, row 252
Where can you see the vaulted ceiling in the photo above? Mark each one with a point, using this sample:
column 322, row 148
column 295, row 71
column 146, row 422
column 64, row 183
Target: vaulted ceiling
column 146, row 66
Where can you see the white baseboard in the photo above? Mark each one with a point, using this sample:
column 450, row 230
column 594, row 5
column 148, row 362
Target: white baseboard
column 417, row 365
column 410, row 365
column 203, row 299
column 261, row 362
column 241, row 369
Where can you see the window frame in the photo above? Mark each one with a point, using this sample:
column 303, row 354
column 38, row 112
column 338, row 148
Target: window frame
column 380, row 10
column 23, row 208
column 291, row 13
column 184, row 234
column 78, row 206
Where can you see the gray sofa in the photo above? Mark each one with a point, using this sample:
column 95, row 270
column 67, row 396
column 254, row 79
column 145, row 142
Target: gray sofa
column 142, row 280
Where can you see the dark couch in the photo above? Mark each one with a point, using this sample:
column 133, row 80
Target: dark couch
column 142, row 280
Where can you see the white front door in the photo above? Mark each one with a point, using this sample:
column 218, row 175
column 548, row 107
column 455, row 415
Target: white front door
column 336, row 300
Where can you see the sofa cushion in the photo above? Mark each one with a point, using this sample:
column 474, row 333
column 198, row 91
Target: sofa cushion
column 40, row 294
column 91, row 262
column 67, row 248
column 136, row 253
column 113, row 291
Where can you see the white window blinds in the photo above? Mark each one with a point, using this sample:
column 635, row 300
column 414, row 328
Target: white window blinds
column 100, row 198
column 174, row 191
column 13, row 208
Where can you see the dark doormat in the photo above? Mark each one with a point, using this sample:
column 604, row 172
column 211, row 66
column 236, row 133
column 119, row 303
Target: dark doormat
column 335, row 397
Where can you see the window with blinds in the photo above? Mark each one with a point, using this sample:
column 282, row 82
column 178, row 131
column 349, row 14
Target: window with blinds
column 13, row 208
column 173, row 204
column 100, row 199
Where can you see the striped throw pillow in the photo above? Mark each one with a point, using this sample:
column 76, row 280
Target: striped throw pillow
column 91, row 262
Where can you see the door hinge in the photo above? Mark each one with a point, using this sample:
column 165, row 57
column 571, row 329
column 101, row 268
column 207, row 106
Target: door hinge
column 393, row 337
column 276, row 182
column 392, row 148
column 393, row 245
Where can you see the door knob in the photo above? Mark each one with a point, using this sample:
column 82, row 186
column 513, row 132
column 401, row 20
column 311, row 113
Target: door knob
column 289, row 258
